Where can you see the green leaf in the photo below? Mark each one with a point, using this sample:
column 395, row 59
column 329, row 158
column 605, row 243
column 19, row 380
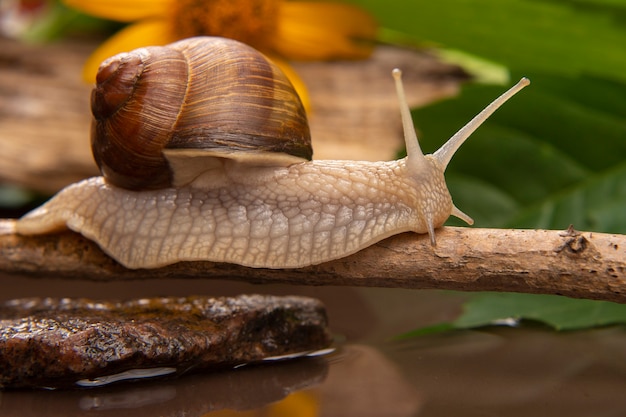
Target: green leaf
column 561, row 313
column 60, row 21
column 12, row 196
column 493, row 206
column 563, row 37
column 428, row 330
column 551, row 156
column 598, row 203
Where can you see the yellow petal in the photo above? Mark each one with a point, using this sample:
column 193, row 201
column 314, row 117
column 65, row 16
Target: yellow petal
column 295, row 79
column 319, row 31
column 122, row 10
column 301, row 404
column 146, row 33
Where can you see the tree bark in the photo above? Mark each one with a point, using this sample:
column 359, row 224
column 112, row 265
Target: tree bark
column 575, row 264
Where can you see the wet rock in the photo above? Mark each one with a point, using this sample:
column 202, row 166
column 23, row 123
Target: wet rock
column 50, row 342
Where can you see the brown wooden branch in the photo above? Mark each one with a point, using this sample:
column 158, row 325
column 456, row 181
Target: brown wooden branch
column 581, row 265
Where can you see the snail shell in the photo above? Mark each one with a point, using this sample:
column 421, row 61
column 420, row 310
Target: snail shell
column 158, row 108
column 263, row 207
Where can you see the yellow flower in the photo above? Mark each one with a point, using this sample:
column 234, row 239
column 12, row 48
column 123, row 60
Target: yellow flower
column 282, row 29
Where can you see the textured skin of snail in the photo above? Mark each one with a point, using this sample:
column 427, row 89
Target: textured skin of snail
column 286, row 217
column 260, row 212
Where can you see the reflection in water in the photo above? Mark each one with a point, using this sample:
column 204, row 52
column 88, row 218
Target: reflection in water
column 361, row 382
column 133, row 374
column 523, row 371
column 298, row 404
column 129, row 399
column 364, row 382
column 311, row 354
column 193, row 395
column 141, row 374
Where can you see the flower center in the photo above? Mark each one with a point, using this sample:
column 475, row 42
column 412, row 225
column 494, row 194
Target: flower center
column 253, row 22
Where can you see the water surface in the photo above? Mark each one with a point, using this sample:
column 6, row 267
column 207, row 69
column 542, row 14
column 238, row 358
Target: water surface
column 523, row 371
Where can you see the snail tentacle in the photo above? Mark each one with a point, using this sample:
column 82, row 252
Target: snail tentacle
column 448, row 149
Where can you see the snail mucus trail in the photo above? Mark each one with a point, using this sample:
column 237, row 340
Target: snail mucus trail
column 222, row 200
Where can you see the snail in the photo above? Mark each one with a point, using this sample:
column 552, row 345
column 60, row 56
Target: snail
column 175, row 135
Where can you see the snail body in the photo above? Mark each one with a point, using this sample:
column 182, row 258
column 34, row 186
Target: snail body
column 270, row 208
